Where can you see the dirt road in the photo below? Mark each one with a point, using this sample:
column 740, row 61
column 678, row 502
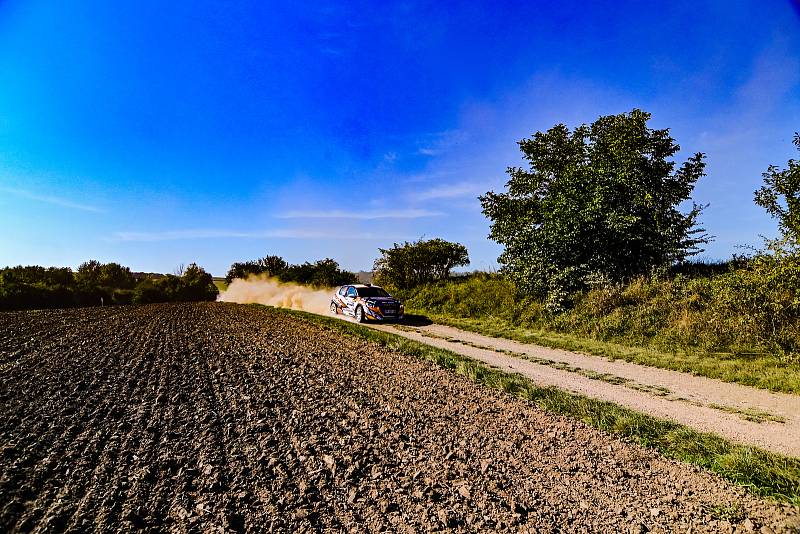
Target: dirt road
column 222, row 417
column 743, row 414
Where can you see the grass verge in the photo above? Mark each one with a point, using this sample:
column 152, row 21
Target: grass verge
column 763, row 371
column 764, row 473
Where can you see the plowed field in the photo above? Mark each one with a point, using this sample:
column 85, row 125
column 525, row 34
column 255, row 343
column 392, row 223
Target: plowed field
column 200, row 417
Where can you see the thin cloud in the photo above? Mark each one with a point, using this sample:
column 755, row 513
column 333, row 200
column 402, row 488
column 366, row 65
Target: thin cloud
column 360, row 215
column 48, row 199
column 180, row 235
column 775, row 74
column 441, row 142
column 459, row 190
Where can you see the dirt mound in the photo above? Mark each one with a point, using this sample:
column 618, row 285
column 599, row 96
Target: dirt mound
column 197, row 416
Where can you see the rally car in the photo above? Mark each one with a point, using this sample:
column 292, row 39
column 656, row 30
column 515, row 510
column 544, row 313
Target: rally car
column 366, row 302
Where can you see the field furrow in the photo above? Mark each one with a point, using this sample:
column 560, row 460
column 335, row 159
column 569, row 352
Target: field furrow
column 200, row 417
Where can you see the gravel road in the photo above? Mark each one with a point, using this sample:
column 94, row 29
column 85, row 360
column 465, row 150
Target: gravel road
column 201, row 417
column 743, row 414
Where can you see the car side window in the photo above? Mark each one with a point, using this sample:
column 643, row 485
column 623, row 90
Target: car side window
column 342, row 290
column 351, row 292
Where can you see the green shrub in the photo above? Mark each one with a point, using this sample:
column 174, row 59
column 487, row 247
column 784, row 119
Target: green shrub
column 194, row 285
column 147, row 292
column 322, row 273
column 268, row 265
column 759, row 305
column 122, row 296
column 476, row 295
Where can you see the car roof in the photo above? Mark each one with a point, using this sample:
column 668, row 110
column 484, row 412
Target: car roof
column 361, row 285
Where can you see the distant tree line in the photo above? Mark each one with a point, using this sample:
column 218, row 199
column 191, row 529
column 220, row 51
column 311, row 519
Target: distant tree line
column 403, row 266
column 95, row 283
column 322, row 273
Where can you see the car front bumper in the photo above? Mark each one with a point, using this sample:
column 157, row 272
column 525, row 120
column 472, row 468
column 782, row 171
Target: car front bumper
column 375, row 314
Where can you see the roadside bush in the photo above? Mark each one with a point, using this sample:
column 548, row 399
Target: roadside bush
column 20, row 296
column 196, row 285
column 475, row 295
column 33, row 286
column 751, row 309
column 92, row 274
column 322, row 273
column 760, row 304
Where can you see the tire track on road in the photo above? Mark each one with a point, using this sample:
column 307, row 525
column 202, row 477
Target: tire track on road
column 697, row 402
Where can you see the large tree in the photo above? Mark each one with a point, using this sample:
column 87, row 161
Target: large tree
column 600, row 200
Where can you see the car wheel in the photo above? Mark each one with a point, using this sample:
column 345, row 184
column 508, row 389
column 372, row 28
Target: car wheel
column 334, row 308
column 359, row 314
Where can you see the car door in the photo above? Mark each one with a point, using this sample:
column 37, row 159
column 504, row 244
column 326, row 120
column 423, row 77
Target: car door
column 350, row 299
column 340, row 294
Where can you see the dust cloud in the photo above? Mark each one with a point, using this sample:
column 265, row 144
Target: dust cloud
column 263, row 290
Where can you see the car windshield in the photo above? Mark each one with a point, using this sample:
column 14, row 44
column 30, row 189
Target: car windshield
column 372, row 292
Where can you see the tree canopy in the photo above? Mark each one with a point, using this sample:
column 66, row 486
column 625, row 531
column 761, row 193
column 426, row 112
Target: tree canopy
column 92, row 273
column 268, row 265
column 780, row 196
column 600, row 200
column 410, row 264
column 321, row 273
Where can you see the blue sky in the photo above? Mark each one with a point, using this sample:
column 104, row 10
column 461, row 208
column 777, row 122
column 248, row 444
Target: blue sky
column 160, row 133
